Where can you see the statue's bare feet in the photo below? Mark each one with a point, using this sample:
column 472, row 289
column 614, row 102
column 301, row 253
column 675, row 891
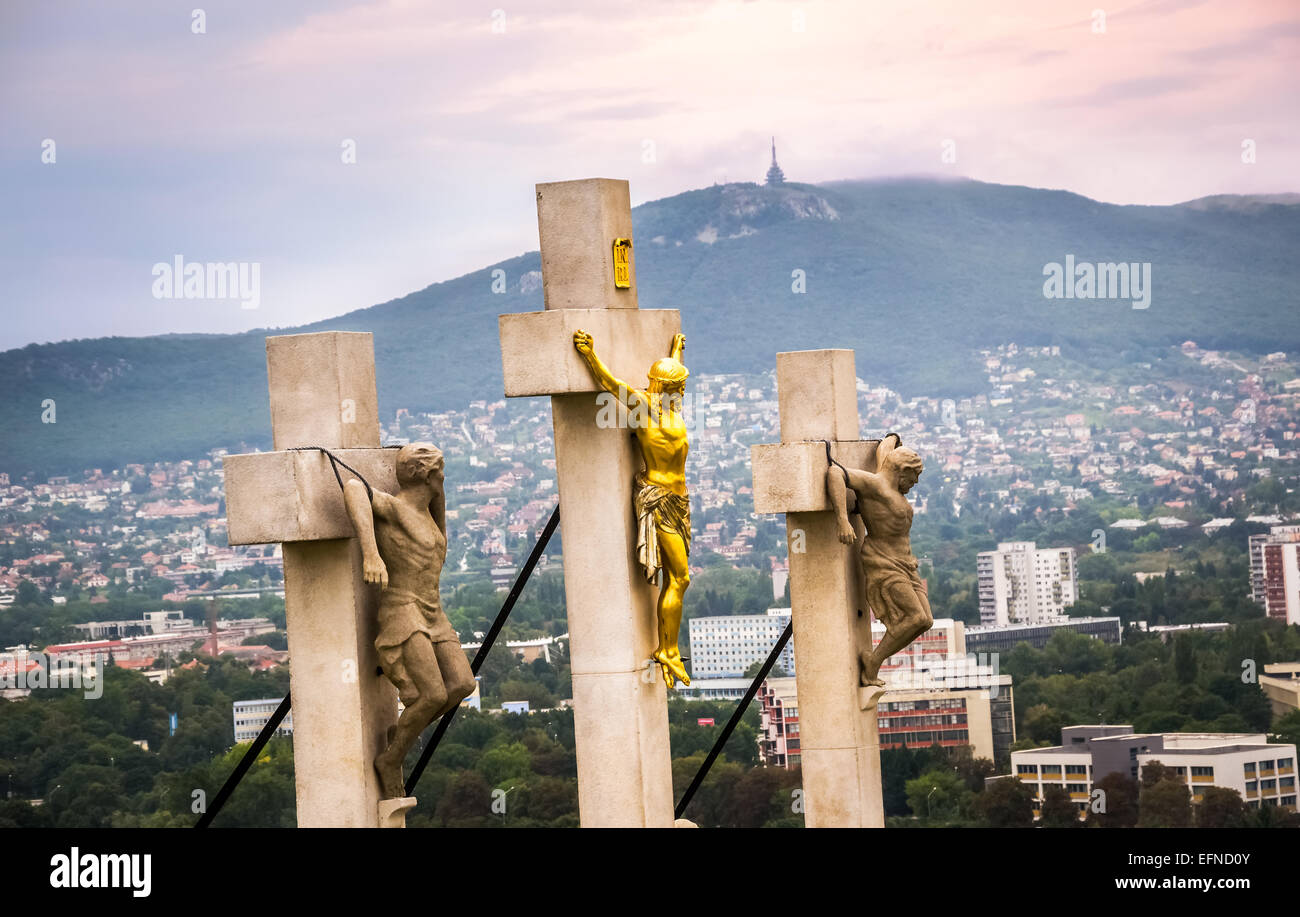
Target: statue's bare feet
column 869, row 671
column 678, row 668
column 389, row 770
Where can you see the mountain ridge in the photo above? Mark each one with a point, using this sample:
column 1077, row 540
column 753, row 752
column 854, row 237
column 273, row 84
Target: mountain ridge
column 933, row 268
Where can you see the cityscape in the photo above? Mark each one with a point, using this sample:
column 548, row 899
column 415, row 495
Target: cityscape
column 1191, row 455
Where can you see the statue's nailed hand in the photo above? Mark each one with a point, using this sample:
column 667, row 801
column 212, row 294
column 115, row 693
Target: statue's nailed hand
column 583, row 342
column 374, row 571
column 679, row 342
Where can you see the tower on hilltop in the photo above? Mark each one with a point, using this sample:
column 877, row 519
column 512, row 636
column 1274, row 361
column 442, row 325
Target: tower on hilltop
column 774, row 174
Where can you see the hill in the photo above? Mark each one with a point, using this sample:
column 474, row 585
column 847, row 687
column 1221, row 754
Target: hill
column 914, row 274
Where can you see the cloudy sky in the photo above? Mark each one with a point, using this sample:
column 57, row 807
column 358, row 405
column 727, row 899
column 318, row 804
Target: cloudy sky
column 221, row 136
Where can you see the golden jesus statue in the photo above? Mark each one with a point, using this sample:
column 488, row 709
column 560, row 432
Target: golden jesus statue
column 663, row 508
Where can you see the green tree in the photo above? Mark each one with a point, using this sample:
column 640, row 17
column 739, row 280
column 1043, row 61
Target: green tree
column 1117, row 805
column 1287, row 727
column 1006, row 803
column 1184, row 660
column 276, row 640
column 939, row 794
column 1165, row 804
column 30, row 594
column 505, row 762
column 1058, row 810
column 1043, row 723
column 466, row 803
column 1220, row 807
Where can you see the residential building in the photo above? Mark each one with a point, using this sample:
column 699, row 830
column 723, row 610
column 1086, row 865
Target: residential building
column 778, row 737
column 1275, row 572
column 979, row 717
column 1263, row 773
column 724, row 646
column 1022, row 584
column 251, row 717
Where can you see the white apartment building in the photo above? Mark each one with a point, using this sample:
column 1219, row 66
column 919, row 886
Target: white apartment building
column 726, row 645
column 1022, row 584
column 1275, row 572
column 251, row 715
column 1264, row 774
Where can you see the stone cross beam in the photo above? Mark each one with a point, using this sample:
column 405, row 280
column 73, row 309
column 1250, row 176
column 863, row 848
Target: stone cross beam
column 620, row 701
column 322, row 389
column 839, row 742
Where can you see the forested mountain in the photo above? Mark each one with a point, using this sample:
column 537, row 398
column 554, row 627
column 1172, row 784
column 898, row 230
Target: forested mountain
column 914, row 274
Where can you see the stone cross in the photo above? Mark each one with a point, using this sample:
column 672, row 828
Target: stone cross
column 322, row 389
column 839, row 741
column 620, row 701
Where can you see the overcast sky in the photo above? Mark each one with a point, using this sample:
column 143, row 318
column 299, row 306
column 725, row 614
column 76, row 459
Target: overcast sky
column 226, row 144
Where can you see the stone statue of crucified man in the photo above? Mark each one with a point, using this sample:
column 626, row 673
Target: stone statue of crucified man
column 891, row 586
column 403, row 547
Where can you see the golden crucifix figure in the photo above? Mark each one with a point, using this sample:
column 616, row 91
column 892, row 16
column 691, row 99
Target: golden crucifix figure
column 663, row 508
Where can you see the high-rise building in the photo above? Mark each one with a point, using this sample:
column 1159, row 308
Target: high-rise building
column 1275, row 572
column 1022, row 584
column 724, row 646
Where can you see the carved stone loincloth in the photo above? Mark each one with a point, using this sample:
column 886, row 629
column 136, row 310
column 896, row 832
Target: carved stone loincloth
column 658, row 508
column 883, row 573
column 402, row 615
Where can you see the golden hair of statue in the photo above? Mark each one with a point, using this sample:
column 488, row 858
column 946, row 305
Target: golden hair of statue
column 663, row 508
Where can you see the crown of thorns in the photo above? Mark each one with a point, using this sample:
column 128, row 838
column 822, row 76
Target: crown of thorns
column 666, row 369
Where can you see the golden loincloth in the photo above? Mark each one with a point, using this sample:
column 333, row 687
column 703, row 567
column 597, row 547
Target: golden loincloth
column 658, row 508
column 401, row 616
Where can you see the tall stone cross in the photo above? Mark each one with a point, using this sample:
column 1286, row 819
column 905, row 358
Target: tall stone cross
column 322, row 390
column 619, row 698
column 838, row 737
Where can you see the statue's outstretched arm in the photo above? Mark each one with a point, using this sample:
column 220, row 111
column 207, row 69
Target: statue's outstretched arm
column 586, row 346
column 357, row 502
column 838, row 491
column 887, row 445
column 438, row 509
column 678, row 345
